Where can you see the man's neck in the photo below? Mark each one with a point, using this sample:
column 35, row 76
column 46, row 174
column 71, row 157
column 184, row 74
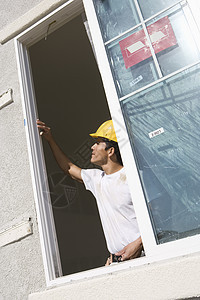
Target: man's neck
column 111, row 168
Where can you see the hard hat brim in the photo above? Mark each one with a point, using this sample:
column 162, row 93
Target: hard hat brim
column 94, row 135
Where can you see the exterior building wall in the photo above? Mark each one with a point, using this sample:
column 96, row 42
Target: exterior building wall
column 21, row 265
column 9, row 12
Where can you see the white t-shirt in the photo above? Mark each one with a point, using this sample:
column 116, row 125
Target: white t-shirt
column 115, row 207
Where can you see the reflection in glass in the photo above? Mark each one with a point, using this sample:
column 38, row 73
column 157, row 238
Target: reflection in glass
column 131, row 62
column 163, row 123
column 172, row 41
column 115, row 17
column 150, row 8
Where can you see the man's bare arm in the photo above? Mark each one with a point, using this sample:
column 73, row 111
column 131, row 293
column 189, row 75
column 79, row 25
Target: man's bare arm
column 63, row 161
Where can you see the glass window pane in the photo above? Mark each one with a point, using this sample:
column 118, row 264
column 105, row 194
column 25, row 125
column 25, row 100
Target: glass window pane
column 151, row 7
column 115, row 17
column 131, row 62
column 172, row 40
column 163, row 123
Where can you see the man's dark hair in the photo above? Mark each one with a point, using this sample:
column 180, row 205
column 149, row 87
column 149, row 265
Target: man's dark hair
column 113, row 144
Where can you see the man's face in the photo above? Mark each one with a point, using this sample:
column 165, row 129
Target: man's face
column 99, row 154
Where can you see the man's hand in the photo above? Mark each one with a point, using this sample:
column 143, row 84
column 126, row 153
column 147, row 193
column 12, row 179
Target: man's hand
column 63, row 161
column 45, row 130
column 132, row 250
column 109, row 260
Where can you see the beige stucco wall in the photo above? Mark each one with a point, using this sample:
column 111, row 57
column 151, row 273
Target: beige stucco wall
column 21, row 266
column 172, row 279
column 22, row 15
column 18, row 277
column 10, row 12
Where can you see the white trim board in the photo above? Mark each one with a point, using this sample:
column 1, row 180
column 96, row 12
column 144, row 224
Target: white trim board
column 15, row 233
column 6, row 98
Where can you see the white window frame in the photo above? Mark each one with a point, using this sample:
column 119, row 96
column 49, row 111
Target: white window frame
column 153, row 251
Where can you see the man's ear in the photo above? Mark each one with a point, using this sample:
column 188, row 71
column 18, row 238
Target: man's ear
column 111, row 151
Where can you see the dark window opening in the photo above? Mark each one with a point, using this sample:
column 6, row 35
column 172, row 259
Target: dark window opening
column 70, row 98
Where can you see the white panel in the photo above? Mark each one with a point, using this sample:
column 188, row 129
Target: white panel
column 15, row 233
column 6, row 98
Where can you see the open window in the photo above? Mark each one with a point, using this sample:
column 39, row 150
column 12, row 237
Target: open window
column 71, row 99
column 153, row 53
column 67, row 93
column 149, row 68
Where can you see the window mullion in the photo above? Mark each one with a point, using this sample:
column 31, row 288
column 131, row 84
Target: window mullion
column 149, row 40
column 188, row 12
column 157, row 81
column 123, row 33
column 164, row 10
column 194, row 7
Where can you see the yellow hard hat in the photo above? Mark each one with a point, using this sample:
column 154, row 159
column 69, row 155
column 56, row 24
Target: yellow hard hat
column 106, row 130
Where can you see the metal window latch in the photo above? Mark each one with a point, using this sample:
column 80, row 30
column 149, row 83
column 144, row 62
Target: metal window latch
column 46, row 36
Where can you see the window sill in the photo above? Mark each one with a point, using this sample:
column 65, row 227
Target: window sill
column 168, row 279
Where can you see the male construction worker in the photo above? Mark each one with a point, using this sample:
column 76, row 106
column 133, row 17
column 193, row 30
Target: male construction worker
column 110, row 188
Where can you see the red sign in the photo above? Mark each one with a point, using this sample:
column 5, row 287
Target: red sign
column 135, row 48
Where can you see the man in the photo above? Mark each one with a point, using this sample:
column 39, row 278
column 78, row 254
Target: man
column 110, row 188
